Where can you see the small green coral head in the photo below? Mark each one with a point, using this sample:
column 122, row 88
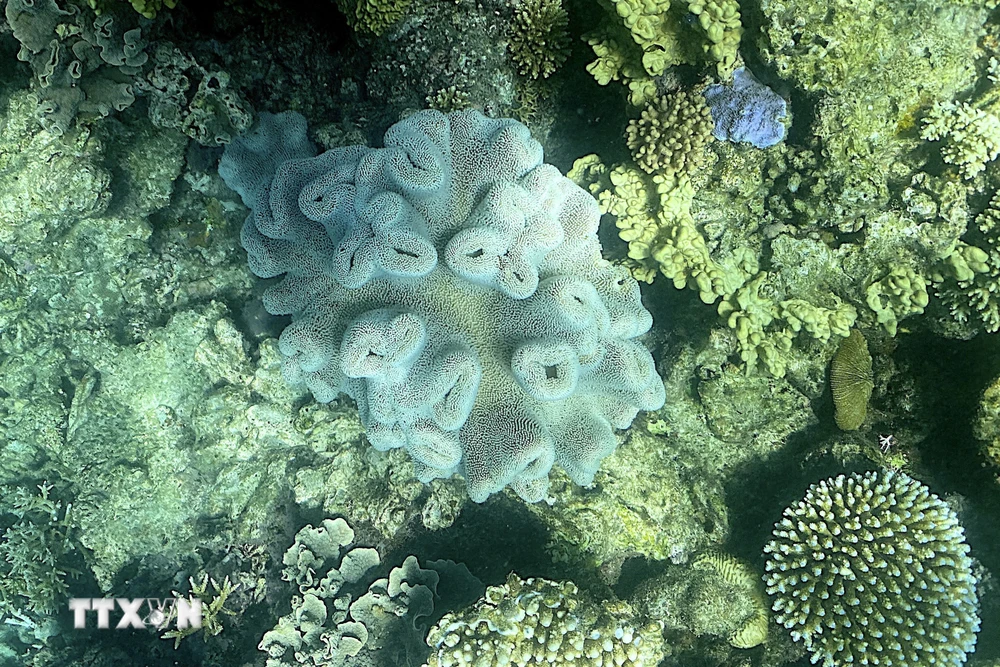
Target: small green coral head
column 539, row 39
column 873, row 569
column 900, row 293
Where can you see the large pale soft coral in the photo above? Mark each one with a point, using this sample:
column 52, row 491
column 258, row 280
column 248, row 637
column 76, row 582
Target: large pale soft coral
column 453, row 285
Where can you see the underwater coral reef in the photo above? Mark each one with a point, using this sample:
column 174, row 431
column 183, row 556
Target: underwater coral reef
column 391, row 333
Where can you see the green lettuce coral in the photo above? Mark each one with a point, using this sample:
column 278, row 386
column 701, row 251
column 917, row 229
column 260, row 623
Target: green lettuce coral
column 330, row 620
column 873, row 568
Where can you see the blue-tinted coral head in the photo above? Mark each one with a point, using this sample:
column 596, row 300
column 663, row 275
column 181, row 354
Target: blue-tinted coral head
column 747, row 111
column 452, row 284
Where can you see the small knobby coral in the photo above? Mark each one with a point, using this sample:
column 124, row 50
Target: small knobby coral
column 874, row 569
column 671, row 134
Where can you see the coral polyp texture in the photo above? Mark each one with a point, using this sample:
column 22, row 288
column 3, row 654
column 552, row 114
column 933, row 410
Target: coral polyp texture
column 452, row 284
column 873, row 569
column 541, row 622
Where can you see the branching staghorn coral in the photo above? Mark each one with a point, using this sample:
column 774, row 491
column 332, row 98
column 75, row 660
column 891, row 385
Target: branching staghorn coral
column 970, row 135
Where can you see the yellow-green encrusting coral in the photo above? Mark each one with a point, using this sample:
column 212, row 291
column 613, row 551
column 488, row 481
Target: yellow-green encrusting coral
column 851, row 381
column 720, row 19
column 653, row 209
column 539, row 38
column 873, row 569
column 901, row 292
column 643, row 38
column 541, row 622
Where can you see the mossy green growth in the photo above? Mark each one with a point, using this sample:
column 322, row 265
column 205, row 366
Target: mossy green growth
column 827, row 46
column 668, row 512
column 373, row 17
column 716, row 594
column 147, row 8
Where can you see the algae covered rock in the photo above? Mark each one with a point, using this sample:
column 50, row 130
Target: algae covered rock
column 668, row 510
column 716, row 594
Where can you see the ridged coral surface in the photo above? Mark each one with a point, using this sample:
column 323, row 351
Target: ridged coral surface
column 453, row 285
column 873, row 569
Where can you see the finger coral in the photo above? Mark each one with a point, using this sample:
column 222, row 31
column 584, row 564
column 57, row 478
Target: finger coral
column 453, row 285
column 874, row 569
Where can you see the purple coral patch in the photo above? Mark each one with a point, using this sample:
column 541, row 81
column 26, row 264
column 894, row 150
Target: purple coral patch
column 746, row 111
